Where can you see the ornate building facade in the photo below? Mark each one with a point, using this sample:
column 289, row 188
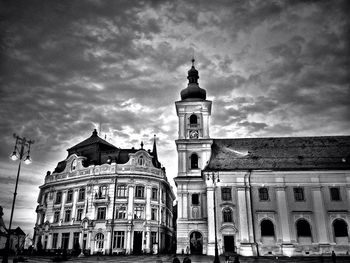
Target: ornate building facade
column 272, row 196
column 106, row 199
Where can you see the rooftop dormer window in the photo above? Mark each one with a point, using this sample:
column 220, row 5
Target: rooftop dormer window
column 141, row 161
column 74, row 165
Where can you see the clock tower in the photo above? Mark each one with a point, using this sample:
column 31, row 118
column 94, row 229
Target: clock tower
column 194, row 148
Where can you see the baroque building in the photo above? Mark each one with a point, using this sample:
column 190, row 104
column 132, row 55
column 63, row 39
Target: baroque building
column 272, row 196
column 105, row 199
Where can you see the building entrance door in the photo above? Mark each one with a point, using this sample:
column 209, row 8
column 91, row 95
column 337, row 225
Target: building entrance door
column 137, row 249
column 196, row 243
column 229, row 244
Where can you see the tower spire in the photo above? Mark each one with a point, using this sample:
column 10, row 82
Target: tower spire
column 154, row 152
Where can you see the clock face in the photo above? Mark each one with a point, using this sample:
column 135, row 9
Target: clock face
column 194, row 134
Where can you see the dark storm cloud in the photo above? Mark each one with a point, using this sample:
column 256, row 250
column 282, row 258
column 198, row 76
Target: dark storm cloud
column 271, row 68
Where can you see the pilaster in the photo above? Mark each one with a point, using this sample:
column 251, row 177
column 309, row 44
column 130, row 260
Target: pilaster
column 130, row 202
column 283, row 214
column 318, row 208
column 243, row 215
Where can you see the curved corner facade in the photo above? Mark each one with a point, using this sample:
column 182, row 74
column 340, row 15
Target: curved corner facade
column 108, row 200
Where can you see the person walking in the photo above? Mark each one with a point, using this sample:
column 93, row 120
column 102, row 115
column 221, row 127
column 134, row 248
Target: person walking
column 334, row 257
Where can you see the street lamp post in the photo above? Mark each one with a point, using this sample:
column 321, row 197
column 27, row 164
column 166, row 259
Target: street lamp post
column 215, row 179
column 22, row 148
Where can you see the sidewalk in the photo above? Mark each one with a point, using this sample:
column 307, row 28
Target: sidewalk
column 194, row 259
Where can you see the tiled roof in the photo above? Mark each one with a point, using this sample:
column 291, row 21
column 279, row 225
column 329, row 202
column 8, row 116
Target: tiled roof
column 281, row 153
column 93, row 139
column 98, row 151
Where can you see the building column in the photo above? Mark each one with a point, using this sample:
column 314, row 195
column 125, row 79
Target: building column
column 148, row 203
column 128, row 239
column 211, row 230
column 205, row 125
column 181, row 126
column 75, row 199
column 148, row 240
column 179, row 205
column 70, row 242
column 130, row 202
column 90, row 243
column 185, row 205
column 283, row 213
column 108, row 244
column 81, row 241
column 243, row 215
column 318, row 208
column 63, row 201
column 49, row 242
column 348, row 195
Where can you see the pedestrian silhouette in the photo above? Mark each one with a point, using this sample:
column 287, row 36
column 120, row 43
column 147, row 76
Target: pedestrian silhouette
column 176, row 259
column 187, row 260
column 334, row 257
column 236, row 259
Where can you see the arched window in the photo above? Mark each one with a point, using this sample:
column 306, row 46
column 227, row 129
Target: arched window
column 303, row 228
column 99, row 238
column 340, row 228
column 227, row 215
column 141, row 161
column 193, row 119
column 194, row 161
column 267, row 228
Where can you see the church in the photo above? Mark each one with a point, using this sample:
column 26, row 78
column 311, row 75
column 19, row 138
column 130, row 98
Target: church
column 258, row 196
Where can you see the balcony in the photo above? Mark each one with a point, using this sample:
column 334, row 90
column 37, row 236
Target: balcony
column 101, row 199
column 194, row 125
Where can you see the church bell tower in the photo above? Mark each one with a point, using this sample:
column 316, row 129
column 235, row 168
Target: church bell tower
column 194, row 148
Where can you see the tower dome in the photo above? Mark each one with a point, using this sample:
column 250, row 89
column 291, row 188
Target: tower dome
column 193, row 91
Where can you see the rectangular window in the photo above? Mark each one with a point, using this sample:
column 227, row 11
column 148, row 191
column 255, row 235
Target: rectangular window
column 56, row 216
column 120, row 212
column 118, row 241
column 154, row 214
column 299, row 194
column 226, row 194
column 67, row 215
column 263, row 194
column 81, row 196
column 140, row 191
column 69, row 196
column 195, row 199
column 121, row 190
column 139, row 212
column 102, row 192
column 65, row 240
column 58, row 198
column 79, row 214
column 154, row 194
column 42, row 218
column 76, row 239
column 163, row 196
column 54, row 240
column 154, row 237
column 335, row 193
column 101, row 213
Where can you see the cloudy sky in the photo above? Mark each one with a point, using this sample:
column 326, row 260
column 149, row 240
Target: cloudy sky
column 271, row 68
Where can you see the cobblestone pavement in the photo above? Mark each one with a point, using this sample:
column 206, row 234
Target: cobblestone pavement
column 194, row 259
